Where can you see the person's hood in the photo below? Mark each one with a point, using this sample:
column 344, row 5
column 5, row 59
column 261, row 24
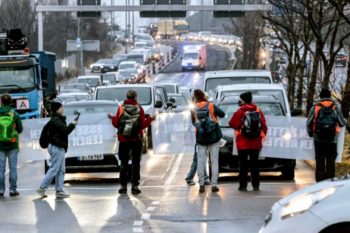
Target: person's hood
column 5, row 109
column 130, row 101
column 249, row 107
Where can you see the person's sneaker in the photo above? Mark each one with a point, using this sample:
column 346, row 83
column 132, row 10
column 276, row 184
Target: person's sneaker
column 62, row 194
column 14, row 193
column 214, row 189
column 207, row 182
column 123, row 190
column 190, row 182
column 135, row 190
column 41, row 192
column 256, row 189
column 242, row 189
column 201, row 189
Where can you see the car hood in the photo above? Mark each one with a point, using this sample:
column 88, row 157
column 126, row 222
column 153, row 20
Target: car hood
column 345, row 181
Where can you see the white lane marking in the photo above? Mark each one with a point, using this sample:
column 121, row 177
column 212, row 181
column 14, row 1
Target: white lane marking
column 138, row 223
column 151, row 208
column 137, row 229
column 146, row 216
column 174, row 170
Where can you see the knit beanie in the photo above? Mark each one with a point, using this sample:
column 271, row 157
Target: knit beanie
column 55, row 106
column 325, row 93
column 246, row 97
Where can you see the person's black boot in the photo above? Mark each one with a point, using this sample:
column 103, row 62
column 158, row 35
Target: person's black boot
column 135, row 190
column 123, row 190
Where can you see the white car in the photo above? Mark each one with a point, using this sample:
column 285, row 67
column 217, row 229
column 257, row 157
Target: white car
column 320, row 208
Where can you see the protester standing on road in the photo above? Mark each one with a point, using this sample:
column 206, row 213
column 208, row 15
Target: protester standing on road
column 57, row 148
column 192, row 172
column 130, row 121
column 10, row 127
column 208, row 135
column 323, row 124
column 250, row 129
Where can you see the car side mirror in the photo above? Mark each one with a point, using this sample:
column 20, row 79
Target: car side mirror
column 158, row 104
column 296, row 112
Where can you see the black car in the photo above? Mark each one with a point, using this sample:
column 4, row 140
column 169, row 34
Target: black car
column 229, row 162
column 95, row 162
column 104, row 65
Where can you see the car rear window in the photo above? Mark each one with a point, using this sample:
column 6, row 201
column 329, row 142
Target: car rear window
column 119, row 94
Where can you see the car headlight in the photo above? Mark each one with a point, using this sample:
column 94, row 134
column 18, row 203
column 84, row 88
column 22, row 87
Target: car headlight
column 303, row 202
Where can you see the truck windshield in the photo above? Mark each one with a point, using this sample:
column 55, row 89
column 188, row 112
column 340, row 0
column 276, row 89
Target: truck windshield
column 190, row 55
column 16, row 78
column 181, row 27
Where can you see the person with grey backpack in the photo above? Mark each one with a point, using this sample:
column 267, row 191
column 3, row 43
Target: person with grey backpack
column 208, row 135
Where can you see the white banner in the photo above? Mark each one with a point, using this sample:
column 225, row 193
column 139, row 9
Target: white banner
column 94, row 134
column 287, row 137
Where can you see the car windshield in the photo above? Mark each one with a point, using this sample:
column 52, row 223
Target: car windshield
column 179, row 100
column 170, row 88
column 110, row 77
column 68, row 98
column 92, row 81
column 190, row 55
column 103, row 61
column 269, row 109
column 119, row 93
column 128, row 73
column 124, row 66
column 138, row 58
column 212, row 83
column 91, row 108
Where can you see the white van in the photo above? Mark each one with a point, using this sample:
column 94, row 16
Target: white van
column 214, row 79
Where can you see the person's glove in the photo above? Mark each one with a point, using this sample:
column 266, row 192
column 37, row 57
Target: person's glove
column 75, row 122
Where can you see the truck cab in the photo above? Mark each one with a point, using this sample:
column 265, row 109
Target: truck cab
column 28, row 78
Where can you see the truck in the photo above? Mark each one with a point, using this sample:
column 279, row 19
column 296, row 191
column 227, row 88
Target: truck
column 171, row 28
column 194, row 57
column 28, row 77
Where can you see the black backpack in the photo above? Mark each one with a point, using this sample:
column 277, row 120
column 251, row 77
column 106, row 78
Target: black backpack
column 252, row 124
column 208, row 131
column 129, row 124
column 44, row 139
column 326, row 121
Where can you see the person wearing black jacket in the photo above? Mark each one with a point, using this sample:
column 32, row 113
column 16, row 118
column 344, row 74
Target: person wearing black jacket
column 58, row 145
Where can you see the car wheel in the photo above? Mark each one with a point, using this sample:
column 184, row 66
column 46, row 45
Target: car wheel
column 288, row 171
column 339, row 228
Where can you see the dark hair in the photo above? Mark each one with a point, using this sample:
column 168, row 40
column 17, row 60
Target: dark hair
column 131, row 94
column 199, row 95
column 246, row 97
column 6, row 99
column 325, row 93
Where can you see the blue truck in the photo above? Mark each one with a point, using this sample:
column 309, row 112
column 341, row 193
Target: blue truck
column 30, row 78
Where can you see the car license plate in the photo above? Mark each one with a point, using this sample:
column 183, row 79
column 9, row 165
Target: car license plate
column 91, row 157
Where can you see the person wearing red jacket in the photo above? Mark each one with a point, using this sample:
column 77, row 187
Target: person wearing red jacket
column 130, row 140
column 248, row 146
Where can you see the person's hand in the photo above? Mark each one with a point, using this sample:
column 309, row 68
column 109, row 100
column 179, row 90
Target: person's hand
column 110, row 115
column 153, row 117
column 75, row 122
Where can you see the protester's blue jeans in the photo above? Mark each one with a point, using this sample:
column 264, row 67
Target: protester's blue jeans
column 12, row 161
column 193, row 169
column 57, row 168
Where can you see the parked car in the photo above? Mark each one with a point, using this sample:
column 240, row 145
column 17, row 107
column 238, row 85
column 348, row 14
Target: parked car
column 320, row 208
column 272, row 100
column 90, row 163
column 341, row 59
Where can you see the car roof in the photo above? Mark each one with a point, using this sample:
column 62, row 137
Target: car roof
column 128, row 62
column 250, row 86
column 124, row 86
column 229, row 99
column 237, row 73
column 72, row 94
column 88, row 76
column 90, row 102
